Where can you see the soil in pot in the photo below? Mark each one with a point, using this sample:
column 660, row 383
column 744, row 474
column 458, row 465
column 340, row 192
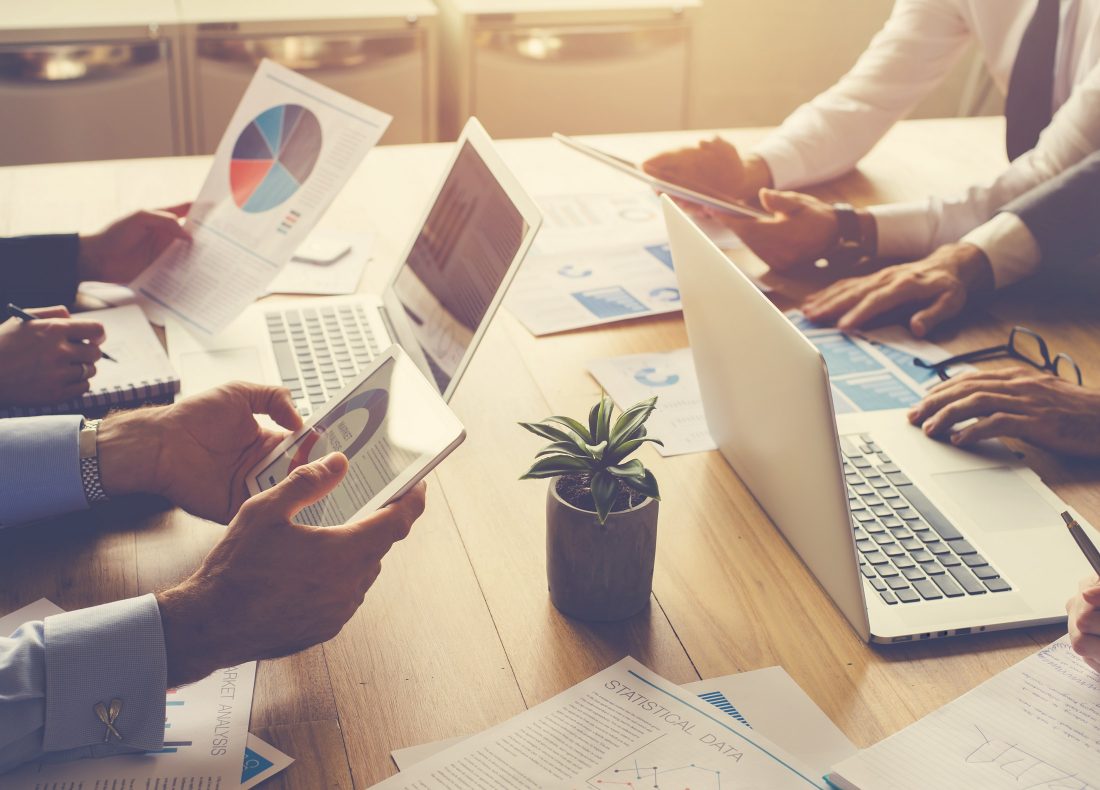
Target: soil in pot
column 577, row 491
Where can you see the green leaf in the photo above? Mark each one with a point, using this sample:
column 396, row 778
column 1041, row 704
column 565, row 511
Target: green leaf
column 603, row 419
column 596, row 451
column 550, row 432
column 647, row 485
column 604, row 491
column 594, row 420
column 631, row 420
column 564, row 448
column 631, row 469
column 572, row 425
column 627, row 447
column 555, row 465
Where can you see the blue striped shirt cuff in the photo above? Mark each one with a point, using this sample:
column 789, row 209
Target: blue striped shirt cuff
column 40, row 457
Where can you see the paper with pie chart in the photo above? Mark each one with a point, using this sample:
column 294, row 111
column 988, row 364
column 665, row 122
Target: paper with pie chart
column 287, row 152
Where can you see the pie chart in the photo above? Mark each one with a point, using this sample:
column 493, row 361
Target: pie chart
column 273, row 156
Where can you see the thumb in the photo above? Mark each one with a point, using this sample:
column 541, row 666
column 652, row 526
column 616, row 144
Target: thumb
column 776, row 202
column 306, row 484
column 57, row 311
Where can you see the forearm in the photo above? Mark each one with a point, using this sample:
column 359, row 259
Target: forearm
column 53, row 672
column 38, row 271
column 904, row 62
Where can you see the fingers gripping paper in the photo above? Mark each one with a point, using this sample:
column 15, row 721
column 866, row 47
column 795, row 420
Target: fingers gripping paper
column 288, row 151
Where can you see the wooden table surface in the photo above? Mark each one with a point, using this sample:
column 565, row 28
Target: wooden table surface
column 458, row 633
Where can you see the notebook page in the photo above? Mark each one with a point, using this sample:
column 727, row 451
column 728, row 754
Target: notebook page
column 131, row 341
column 1035, row 726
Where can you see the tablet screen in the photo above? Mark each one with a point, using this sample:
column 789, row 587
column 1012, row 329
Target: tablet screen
column 386, row 427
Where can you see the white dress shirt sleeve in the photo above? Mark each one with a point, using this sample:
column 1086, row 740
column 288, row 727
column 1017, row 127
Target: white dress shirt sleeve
column 1012, row 250
column 40, row 459
column 53, row 672
column 912, row 230
column 826, row 137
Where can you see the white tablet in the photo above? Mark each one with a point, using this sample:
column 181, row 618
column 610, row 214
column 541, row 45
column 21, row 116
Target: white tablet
column 673, row 190
column 392, row 425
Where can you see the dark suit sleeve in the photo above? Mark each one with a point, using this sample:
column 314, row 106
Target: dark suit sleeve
column 1063, row 213
column 36, row 271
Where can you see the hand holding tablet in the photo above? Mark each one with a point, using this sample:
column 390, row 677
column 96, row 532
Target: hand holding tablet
column 392, row 425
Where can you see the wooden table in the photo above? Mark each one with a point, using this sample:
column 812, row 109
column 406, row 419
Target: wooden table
column 458, row 633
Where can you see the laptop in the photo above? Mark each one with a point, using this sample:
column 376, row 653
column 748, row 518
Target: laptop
column 455, row 270
column 912, row 538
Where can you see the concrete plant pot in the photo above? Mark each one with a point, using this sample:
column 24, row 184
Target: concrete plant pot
column 599, row 572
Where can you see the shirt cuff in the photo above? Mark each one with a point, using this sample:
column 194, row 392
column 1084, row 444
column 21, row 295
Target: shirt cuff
column 40, row 457
column 903, row 229
column 109, row 652
column 1012, row 250
column 784, row 162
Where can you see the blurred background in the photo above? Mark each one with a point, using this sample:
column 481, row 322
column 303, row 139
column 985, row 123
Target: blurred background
column 106, row 79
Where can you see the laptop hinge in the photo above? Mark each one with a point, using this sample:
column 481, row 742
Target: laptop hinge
column 390, row 329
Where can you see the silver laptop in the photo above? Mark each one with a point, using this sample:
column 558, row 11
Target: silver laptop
column 912, row 538
column 454, row 273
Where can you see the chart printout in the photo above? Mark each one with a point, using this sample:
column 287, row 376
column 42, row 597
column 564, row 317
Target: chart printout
column 289, row 149
column 1035, row 726
column 624, row 727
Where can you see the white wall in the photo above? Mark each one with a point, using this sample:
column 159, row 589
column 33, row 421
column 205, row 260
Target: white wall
column 756, row 60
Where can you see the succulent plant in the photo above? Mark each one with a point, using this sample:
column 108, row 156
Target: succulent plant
column 597, row 451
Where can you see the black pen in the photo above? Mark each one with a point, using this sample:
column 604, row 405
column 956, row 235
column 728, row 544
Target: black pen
column 1087, row 547
column 19, row 312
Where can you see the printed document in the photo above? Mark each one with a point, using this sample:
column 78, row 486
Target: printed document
column 624, row 726
column 597, row 259
column 678, row 420
column 1034, row 726
column 337, row 278
column 289, row 149
column 205, row 734
column 766, row 700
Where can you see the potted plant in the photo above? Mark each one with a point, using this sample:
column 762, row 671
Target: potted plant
column 601, row 511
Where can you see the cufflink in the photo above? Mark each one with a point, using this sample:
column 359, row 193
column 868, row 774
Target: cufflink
column 108, row 716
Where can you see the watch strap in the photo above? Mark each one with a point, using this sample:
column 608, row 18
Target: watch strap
column 89, row 463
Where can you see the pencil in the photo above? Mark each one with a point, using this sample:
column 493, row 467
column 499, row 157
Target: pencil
column 1087, row 547
column 22, row 314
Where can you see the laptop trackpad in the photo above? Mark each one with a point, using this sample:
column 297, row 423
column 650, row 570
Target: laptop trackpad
column 201, row 370
column 997, row 499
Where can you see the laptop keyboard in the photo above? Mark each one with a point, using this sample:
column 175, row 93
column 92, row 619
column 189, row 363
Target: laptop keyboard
column 318, row 350
column 908, row 550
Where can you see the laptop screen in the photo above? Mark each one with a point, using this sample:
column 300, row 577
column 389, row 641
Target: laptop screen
column 463, row 252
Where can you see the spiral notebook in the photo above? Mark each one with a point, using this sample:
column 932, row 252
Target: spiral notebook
column 142, row 373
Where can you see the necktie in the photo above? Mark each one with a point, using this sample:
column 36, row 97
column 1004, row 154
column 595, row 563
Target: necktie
column 1031, row 86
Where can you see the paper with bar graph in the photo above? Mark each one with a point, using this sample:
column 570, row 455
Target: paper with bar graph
column 205, row 735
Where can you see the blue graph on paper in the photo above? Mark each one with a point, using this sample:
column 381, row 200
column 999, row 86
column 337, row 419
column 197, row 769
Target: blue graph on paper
column 609, row 302
column 718, row 700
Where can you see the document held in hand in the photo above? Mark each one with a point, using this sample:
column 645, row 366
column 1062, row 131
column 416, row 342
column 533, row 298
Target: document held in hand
column 289, row 149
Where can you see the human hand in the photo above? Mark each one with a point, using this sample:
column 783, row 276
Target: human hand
column 1084, row 621
column 714, row 168
column 933, row 290
column 49, row 360
column 272, row 587
column 197, row 452
column 1019, row 402
column 122, row 250
column 801, row 230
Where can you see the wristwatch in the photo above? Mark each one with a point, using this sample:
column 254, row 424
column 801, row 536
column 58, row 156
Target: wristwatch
column 851, row 245
column 89, row 463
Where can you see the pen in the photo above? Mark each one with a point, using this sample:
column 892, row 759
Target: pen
column 19, row 312
column 1087, row 547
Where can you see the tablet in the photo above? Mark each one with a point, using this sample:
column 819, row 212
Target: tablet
column 392, row 425
column 673, row 190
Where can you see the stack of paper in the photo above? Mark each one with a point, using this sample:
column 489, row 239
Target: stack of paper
column 625, row 726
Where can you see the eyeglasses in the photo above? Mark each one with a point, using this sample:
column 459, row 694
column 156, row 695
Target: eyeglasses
column 1024, row 345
